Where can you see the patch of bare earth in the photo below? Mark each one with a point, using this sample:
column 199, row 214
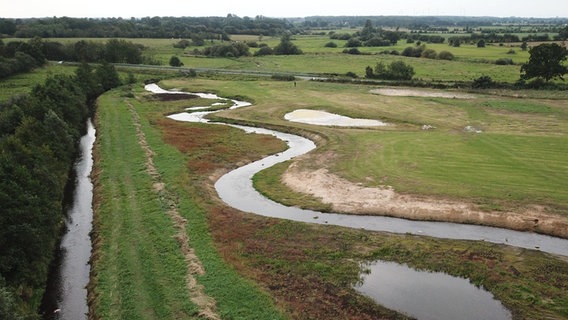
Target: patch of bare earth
column 403, row 92
column 347, row 197
column 205, row 303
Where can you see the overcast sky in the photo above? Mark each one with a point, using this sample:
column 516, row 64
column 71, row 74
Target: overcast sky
column 279, row 9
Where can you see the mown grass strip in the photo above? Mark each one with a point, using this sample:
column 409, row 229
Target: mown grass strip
column 236, row 297
column 139, row 269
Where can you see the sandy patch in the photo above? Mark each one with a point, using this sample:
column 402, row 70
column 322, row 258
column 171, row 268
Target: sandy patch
column 399, row 92
column 323, row 118
column 347, row 197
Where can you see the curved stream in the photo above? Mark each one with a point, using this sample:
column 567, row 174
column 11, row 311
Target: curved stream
column 236, row 190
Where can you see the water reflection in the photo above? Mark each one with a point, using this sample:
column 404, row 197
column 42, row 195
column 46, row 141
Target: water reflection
column 429, row 295
column 66, row 295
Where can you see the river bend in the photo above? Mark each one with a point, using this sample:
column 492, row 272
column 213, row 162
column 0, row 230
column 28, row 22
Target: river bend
column 236, row 190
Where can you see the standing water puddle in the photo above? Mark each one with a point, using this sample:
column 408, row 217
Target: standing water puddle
column 236, row 190
column 429, row 295
column 66, row 295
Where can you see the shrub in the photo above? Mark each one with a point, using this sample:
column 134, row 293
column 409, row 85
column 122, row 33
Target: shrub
column 401, row 71
column 175, row 62
column 377, row 42
column 331, row 44
column 252, row 44
column 264, row 51
column 445, row 55
column 283, row 77
column 286, row 47
column 340, row 36
column 397, row 70
column 504, row 61
column 235, row 49
column 351, row 74
column 414, row 51
column 429, row 54
column 353, row 42
column 182, row 44
column 352, row 51
column 483, row 82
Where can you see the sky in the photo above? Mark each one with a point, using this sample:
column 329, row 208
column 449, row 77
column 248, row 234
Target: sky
column 280, row 9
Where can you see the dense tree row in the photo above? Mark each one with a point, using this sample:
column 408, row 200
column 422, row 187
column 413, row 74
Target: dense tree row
column 39, row 136
column 396, row 70
column 425, row 23
column 22, row 56
column 155, row 27
column 369, row 36
column 18, row 56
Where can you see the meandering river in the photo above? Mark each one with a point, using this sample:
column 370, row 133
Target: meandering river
column 236, row 190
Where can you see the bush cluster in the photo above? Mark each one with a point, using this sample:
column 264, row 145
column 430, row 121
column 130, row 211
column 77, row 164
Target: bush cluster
column 421, row 51
column 396, row 70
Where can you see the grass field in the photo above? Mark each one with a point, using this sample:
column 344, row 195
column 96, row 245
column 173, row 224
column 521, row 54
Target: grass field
column 258, row 268
column 470, row 62
column 519, row 157
column 308, row 270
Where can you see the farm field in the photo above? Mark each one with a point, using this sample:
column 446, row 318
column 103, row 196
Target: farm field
column 470, row 62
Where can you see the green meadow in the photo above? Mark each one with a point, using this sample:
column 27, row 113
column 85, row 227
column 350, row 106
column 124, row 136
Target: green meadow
column 260, row 268
column 518, row 158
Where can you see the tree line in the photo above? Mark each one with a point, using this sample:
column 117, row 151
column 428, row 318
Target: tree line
column 147, row 27
column 39, row 135
column 22, row 56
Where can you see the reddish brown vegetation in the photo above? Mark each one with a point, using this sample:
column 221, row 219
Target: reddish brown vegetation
column 269, row 251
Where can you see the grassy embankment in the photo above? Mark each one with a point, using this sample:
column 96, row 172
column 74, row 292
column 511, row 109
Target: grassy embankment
column 310, row 269
column 139, row 270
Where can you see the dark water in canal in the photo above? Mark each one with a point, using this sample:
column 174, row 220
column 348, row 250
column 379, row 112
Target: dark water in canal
column 66, row 294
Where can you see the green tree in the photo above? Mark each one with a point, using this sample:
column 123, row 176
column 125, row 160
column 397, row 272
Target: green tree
column 107, row 76
column 368, row 30
column 563, row 33
column 524, row 46
column 175, row 62
column 546, row 62
column 85, row 78
column 397, row 70
column 286, row 47
column 401, row 71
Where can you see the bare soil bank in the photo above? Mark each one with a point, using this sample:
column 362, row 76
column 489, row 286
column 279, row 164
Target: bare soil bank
column 348, row 197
